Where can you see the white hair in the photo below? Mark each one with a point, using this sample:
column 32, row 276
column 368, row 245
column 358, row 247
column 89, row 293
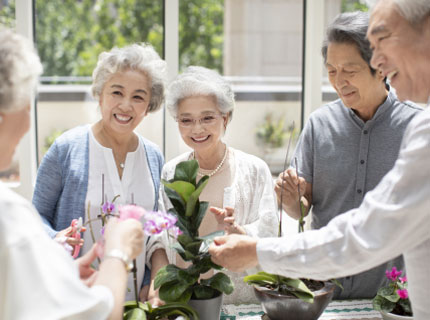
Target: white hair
column 200, row 81
column 19, row 69
column 139, row 57
column 414, row 11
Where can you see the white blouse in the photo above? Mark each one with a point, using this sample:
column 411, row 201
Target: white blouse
column 136, row 177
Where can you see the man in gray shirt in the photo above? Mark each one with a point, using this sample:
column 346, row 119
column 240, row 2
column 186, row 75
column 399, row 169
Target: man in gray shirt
column 348, row 145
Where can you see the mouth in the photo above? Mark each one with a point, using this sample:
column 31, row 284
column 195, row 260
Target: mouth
column 200, row 139
column 122, row 118
column 349, row 94
column 391, row 75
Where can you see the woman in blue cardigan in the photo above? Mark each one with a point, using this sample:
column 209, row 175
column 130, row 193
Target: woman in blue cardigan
column 93, row 164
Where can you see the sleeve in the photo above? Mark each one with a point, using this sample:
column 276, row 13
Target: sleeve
column 264, row 203
column 392, row 219
column 304, row 152
column 45, row 278
column 49, row 185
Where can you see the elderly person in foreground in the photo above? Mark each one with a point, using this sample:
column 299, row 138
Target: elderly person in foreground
column 202, row 103
column 38, row 278
column 363, row 129
column 394, row 218
column 93, row 164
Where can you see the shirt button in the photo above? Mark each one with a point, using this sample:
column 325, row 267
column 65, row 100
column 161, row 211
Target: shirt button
column 359, row 191
column 361, row 161
column 365, row 132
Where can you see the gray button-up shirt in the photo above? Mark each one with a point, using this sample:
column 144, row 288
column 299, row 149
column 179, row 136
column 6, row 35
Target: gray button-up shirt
column 344, row 157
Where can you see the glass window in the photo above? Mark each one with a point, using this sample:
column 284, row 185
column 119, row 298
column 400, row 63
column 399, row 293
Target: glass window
column 7, row 20
column 257, row 45
column 69, row 54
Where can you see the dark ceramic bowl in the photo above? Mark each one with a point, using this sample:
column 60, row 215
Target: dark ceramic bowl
column 282, row 307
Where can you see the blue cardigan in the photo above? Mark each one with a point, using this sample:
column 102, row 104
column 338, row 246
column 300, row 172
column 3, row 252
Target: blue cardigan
column 62, row 178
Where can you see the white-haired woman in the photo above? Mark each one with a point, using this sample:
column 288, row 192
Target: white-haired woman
column 38, row 279
column 202, row 103
column 92, row 164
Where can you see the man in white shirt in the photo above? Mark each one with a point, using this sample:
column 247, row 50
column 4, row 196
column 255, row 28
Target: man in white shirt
column 394, row 218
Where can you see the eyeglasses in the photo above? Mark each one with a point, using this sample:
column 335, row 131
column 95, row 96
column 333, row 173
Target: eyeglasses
column 208, row 120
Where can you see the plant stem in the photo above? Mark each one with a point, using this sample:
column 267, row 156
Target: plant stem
column 91, row 227
column 136, row 295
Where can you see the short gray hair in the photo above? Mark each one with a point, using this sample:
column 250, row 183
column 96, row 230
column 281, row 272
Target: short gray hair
column 349, row 27
column 19, row 69
column 200, row 81
column 139, row 57
column 414, row 11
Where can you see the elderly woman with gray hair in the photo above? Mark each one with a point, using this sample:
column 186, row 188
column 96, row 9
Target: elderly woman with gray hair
column 202, row 103
column 38, row 279
column 94, row 164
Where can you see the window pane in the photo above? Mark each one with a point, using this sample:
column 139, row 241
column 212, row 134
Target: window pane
column 257, row 45
column 7, row 20
column 70, row 51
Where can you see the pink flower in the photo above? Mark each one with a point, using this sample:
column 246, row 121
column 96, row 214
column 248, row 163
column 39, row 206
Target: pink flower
column 131, row 212
column 157, row 221
column 108, row 207
column 403, row 293
column 403, row 279
column 393, row 274
column 176, row 231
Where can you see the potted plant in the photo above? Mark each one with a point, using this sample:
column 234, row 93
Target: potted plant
column 301, row 299
column 184, row 285
column 392, row 301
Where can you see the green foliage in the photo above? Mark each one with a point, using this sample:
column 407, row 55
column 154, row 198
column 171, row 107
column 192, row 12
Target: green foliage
column 71, row 34
column 272, row 133
column 388, row 300
column 354, row 5
column 282, row 284
column 144, row 311
column 49, row 140
column 177, row 284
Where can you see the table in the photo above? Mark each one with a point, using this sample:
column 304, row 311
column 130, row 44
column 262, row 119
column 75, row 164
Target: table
column 336, row 310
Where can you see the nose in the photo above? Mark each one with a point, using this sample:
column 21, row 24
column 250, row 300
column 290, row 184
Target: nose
column 377, row 59
column 340, row 80
column 197, row 126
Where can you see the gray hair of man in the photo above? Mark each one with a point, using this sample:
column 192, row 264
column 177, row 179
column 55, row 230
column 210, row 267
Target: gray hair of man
column 414, row 11
column 349, row 27
column 19, row 69
column 139, row 57
column 200, row 81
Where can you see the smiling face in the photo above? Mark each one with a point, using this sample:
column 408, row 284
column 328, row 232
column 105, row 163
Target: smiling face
column 400, row 51
column 352, row 79
column 200, row 137
column 124, row 101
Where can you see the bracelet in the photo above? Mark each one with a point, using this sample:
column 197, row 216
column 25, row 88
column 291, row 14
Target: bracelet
column 121, row 255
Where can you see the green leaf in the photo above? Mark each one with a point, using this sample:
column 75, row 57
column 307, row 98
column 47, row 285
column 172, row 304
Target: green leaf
column 304, row 296
column 166, row 274
column 135, row 314
column 204, row 292
column 209, row 239
column 194, row 246
column 194, row 197
column 177, row 202
column 382, row 304
column 172, row 291
column 220, row 282
column 203, row 207
column 386, row 291
column 297, row 284
column 183, row 188
column 187, row 171
column 261, row 278
column 173, row 308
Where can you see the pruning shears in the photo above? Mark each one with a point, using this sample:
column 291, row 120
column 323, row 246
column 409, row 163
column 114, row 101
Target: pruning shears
column 76, row 226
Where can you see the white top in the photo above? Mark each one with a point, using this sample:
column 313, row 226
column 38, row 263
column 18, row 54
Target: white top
column 136, row 177
column 393, row 219
column 38, row 278
column 252, row 196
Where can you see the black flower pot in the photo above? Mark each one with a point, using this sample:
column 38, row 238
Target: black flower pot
column 279, row 306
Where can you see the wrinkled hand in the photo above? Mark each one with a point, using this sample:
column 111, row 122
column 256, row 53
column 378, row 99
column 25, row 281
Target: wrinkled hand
column 126, row 235
column 66, row 233
column 234, row 252
column 225, row 218
column 87, row 274
column 290, row 193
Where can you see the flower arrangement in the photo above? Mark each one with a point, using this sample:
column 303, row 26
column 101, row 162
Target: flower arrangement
column 177, row 284
column 394, row 297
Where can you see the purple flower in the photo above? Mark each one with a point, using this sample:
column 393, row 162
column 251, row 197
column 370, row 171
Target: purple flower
column 108, row 207
column 393, row 274
column 157, row 222
column 176, row 231
column 403, row 293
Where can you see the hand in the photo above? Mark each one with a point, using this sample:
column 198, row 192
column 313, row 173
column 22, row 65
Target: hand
column 126, row 235
column 87, row 274
column 234, row 252
column 66, row 233
column 226, row 220
column 288, row 181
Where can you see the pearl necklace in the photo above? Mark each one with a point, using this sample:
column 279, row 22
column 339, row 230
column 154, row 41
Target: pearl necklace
column 216, row 169
column 122, row 165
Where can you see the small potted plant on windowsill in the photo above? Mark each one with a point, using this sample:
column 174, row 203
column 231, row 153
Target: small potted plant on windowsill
column 185, row 285
column 392, row 301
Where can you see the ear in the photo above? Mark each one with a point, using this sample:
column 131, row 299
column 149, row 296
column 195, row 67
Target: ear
column 226, row 118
